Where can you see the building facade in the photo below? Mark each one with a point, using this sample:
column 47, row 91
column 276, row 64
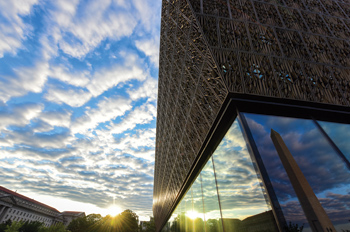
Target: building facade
column 17, row 207
column 69, row 216
column 230, row 71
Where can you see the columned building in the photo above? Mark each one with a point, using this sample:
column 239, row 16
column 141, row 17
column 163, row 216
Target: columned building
column 69, row 216
column 232, row 71
column 17, row 207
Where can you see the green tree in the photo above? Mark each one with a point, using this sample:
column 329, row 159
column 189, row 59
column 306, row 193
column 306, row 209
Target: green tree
column 199, row 224
column 129, row 221
column 14, row 227
column 4, row 225
column 54, row 228
column 30, row 226
column 213, row 225
column 79, row 224
column 88, row 223
column 150, row 226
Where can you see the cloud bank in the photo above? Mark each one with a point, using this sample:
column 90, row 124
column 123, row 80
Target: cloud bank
column 78, row 87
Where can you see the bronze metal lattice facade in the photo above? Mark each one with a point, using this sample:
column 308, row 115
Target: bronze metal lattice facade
column 282, row 49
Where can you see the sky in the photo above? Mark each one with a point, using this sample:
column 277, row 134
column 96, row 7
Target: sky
column 323, row 168
column 78, row 92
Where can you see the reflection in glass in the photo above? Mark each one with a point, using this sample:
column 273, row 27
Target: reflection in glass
column 340, row 134
column 325, row 171
column 198, row 212
column 188, row 211
column 182, row 215
column 177, row 222
column 242, row 200
column 210, row 199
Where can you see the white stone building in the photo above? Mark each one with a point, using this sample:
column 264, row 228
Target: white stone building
column 69, row 216
column 17, row 207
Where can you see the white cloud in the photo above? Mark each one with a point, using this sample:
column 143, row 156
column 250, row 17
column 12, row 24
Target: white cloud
column 96, row 21
column 143, row 138
column 151, row 48
column 27, row 79
column 19, row 115
column 64, row 12
column 74, row 98
column 107, row 109
column 108, row 78
column 77, row 78
column 41, row 126
column 141, row 115
column 146, row 12
column 12, row 29
column 47, row 130
column 30, row 140
column 147, row 90
column 134, row 144
column 54, row 118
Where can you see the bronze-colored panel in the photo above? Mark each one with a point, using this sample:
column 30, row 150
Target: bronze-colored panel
column 283, row 49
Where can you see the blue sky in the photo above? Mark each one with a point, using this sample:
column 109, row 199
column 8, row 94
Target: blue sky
column 78, row 91
column 324, row 169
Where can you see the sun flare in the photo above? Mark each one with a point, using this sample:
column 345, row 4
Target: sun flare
column 193, row 215
column 114, row 210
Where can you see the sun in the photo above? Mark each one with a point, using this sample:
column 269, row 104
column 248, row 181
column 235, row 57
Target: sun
column 113, row 210
column 192, row 214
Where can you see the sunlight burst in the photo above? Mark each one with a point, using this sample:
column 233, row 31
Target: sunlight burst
column 193, row 214
column 114, row 210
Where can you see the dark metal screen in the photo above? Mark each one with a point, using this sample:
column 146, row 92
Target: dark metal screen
column 295, row 49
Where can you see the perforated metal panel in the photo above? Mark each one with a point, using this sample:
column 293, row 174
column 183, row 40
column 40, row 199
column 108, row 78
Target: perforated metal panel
column 291, row 49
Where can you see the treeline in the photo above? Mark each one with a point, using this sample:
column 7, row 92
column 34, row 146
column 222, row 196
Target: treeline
column 34, row 226
column 127, row 221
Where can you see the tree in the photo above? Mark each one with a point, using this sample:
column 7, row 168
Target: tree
column 129, row 221
column 14, row 227
column 78, row 225
column 294, row 227
column 27, row 226
column 89, row 223
column 4, row 225
column 54, row 228
column 30, row 226
column 150, row 226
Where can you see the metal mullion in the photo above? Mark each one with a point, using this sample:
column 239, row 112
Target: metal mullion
column 332, row 143
column 217, row 190
column 256, row 158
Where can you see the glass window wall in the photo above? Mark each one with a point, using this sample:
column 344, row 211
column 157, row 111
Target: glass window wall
column 210, row 199
column 227, row 198
column 198, row 212
column 229, row 194
column 242, row 200
column 340, row 134
column 324, row 169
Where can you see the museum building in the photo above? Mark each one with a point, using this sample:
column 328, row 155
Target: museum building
column 253, row 120
column 17, row 207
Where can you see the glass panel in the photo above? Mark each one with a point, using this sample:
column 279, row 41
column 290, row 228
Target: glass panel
column 182, row 216
column 322, row 167
column 198, row 212
column 175, row 226
column 340, row 134
column 173, row 222
column 210, row 199
column 242, row 200
column 188, row 210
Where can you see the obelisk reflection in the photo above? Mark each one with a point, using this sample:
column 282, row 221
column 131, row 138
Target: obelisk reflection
column 314, row 212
